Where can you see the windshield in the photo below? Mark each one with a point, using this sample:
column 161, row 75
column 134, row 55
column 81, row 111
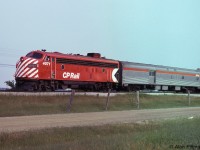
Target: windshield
column 34, row 55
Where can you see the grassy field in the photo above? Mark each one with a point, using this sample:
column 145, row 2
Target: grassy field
column 171, row 134
column 35, row 105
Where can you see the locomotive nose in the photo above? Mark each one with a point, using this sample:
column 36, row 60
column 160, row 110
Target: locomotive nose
column 19, row 61
column 27, row 68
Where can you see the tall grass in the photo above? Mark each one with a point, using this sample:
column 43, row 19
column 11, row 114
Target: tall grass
column 159, row 136
column 35, row 105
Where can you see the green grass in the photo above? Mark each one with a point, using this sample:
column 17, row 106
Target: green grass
column 159, row 136
column 35, row 105
column 166, row 101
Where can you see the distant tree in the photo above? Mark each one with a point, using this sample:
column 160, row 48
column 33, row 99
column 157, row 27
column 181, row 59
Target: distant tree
column 10, row 84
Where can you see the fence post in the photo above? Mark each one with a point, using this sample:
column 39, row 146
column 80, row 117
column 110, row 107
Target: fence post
column 71, row 98
column 189, row 100
column 132, row 99
column 188, row 97
column 138, row 99
column 107, row 100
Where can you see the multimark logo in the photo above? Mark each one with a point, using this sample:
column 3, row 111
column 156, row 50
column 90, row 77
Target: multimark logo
column 71, row 75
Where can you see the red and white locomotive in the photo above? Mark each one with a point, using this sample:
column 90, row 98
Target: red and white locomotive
column 46, row 71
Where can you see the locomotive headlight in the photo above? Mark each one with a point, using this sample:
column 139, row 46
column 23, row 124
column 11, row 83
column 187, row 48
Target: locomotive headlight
column 22, row 59
column 32, row 66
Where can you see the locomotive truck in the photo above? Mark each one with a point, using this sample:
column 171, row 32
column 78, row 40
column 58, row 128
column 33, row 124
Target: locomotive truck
column 40, row 70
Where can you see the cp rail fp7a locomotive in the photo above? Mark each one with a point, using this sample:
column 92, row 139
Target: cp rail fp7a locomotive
column 48, row 71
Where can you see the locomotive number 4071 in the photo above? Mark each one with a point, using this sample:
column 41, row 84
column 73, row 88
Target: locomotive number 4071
column 46, row 63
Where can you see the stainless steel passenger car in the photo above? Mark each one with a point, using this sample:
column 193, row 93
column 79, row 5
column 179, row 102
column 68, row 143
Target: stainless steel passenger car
column 155, row 77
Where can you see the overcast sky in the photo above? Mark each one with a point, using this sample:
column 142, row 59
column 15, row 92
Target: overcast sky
column 162, row 32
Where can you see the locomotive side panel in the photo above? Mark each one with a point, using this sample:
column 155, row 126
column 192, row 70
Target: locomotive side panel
column 82, row 73
column 85, row 70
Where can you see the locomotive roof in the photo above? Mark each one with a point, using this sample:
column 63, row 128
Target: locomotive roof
column 76, row 56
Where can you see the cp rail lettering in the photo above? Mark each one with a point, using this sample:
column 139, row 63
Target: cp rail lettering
column 71, row 75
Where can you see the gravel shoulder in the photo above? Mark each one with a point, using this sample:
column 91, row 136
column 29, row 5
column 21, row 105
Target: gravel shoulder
column 25, row 123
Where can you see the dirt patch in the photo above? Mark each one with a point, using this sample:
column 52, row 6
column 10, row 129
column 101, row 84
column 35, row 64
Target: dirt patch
column 25, row 123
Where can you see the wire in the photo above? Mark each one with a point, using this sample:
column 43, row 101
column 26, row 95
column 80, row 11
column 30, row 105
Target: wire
column 9, row 54
column 8, row 49
column 6, row 65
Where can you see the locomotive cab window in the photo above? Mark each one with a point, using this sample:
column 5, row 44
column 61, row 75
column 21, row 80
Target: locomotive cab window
column 47, row 58
column 34, row 55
